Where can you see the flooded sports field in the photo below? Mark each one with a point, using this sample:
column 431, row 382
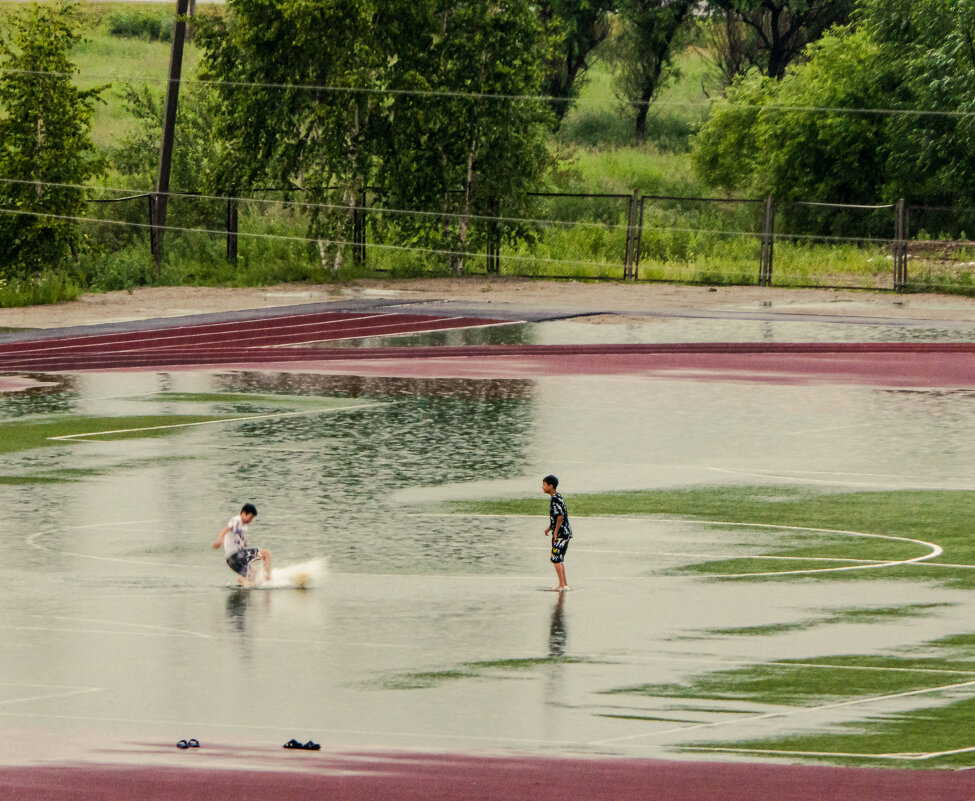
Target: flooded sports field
column 430, row 623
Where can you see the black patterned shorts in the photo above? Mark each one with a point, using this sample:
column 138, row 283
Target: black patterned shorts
column 559, row 548
column 239, row 561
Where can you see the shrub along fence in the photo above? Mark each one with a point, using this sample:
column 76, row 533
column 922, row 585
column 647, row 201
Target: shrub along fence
column 609, row 236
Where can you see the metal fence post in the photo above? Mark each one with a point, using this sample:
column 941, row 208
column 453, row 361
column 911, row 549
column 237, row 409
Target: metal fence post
column 900, row 245
column 631, row 219
column 768, row 238
column 638, row 241
column 232, row 231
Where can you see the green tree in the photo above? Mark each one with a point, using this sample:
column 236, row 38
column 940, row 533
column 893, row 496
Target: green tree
column 479, row 144
column 768, row 35
column 398, row 105
column 45, row 145
column 880, row 110
column 643, row 55
column 580, row 26
column 929, row 57
column 301, row 99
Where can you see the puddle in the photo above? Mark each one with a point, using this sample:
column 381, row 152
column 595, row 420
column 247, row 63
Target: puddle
column 114, row 598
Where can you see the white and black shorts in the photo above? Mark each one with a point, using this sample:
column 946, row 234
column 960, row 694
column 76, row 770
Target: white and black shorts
column 239, row 561
column 559, row 547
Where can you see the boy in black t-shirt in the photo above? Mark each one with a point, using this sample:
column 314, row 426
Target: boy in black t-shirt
column 558, row 527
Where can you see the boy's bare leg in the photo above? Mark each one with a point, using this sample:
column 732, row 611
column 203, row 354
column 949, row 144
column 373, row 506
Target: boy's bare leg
column 266, row 556
column 560, row 572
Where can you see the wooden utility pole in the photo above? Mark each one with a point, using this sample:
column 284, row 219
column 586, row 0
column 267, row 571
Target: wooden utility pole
column 169, row 127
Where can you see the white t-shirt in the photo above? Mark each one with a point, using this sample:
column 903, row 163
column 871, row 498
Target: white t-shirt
column 236, row 539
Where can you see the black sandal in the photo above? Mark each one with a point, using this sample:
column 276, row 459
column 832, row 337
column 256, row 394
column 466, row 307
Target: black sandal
column 293, row 744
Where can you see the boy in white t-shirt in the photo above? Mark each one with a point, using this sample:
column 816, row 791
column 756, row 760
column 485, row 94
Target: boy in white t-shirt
column 234, row 541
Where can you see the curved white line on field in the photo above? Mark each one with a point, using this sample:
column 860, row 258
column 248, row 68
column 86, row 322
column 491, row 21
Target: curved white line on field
column 935, row 550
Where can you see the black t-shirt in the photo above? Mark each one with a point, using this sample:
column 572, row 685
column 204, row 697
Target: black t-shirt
column 556, row 508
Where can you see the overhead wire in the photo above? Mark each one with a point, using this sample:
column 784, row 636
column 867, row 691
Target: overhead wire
column 344, row 207
column 656, row 228
column 460, row 95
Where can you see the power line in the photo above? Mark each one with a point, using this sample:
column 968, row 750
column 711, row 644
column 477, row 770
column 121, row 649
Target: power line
column 310, row 240
column 328, row 206
column 435, row 93
column 253, row 234
column 480, row 217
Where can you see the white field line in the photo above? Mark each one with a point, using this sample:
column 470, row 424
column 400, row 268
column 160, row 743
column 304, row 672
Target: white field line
column 912, row 757
column 787, row 713
column 162, row 632
column 830, row 428
column 82, row 436
column 154, row 629
column 45, row 697
column 716, row 661
column 845, row 483
column 934, row 552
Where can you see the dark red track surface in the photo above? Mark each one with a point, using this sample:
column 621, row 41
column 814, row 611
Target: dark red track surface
column 459, row 778
column 274, row 344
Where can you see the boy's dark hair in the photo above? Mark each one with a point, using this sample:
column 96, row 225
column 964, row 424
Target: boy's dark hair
column 552, row 481
column 249, row 509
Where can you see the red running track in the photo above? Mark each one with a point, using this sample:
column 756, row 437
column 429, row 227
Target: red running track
column 215, row 343
column 459, row 778
column 274, row 344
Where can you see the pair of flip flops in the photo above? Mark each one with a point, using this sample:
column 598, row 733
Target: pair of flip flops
column 309, row 746
column 191, row 743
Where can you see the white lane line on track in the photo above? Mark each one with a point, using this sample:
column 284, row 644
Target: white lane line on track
column 411, row 333
column 247, row 339
column 181, row 332
column 786, row 713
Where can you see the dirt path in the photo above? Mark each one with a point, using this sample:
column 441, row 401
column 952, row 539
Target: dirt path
column 148, row 303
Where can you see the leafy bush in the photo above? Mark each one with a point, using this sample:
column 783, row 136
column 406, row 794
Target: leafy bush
column 153, row 25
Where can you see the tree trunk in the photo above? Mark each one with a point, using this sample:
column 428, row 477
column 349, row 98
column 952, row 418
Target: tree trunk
column 466, row 213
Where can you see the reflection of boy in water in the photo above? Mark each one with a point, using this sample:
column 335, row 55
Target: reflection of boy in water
column 557, row 633
column 234, row 541
column 558, row 527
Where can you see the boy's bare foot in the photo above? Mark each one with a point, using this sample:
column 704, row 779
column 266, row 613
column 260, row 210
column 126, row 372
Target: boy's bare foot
column 563, row 589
